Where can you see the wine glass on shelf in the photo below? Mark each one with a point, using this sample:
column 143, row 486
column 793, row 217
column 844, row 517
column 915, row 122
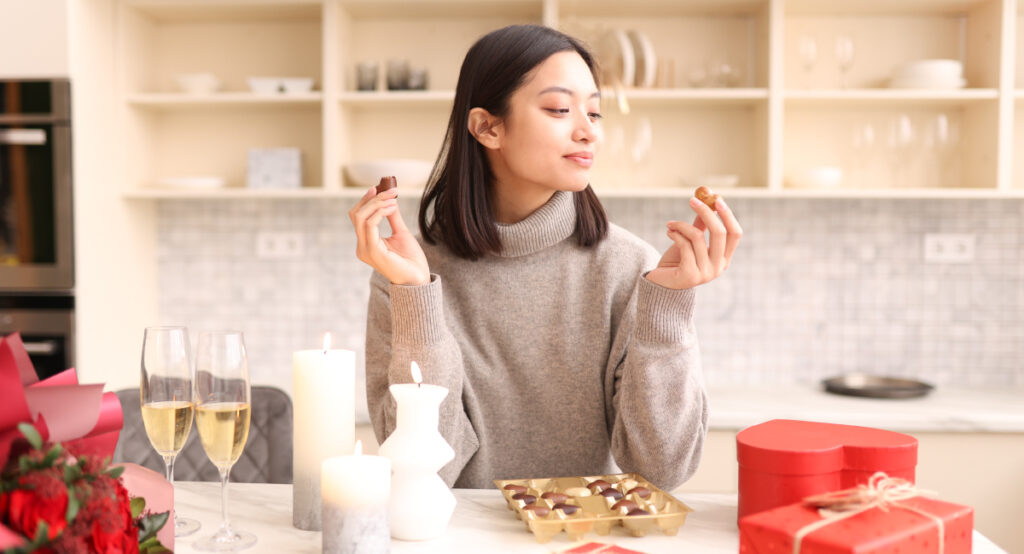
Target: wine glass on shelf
column 222, row 418
column 808, row 50
column 863, row 142
column 844, row 57
column 165, row 392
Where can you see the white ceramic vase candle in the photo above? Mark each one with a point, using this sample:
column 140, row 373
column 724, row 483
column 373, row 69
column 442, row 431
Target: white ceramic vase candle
column 421, row 503
column 355, row 491
column 324, row 412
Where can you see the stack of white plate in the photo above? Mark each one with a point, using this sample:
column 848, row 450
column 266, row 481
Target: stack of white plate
column 627, row 58
column 930, row 74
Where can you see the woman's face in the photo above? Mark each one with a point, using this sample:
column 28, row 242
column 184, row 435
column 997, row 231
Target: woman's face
column 552, row 131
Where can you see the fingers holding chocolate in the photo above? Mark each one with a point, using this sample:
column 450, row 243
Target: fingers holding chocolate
column 705, row 195
column 387, row 183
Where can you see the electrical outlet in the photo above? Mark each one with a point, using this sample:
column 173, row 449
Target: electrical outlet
column 279, row 245
column 948, row 248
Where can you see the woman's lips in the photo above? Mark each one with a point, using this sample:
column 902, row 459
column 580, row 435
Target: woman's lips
column 581, row 159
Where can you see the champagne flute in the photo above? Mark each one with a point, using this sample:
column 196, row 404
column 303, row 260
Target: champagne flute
column 222, row 418
column 166, row 397
column 844, row 57
column 808, row 50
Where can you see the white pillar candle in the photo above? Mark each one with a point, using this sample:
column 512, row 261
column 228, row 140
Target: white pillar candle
column 355, row 491
column 324, row 423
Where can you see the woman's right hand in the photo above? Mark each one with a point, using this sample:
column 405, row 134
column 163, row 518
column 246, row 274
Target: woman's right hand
column 398, row 257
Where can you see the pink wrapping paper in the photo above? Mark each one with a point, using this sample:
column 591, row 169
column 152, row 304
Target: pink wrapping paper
column 158, row 492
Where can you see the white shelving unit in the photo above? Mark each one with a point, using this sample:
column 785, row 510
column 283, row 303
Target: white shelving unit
column 782, row 116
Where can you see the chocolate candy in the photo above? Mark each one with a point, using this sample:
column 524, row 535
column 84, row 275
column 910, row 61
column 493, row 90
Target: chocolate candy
column 555, row 497
column 526, row 498
column 705, row 195
column 577, row 491
column 567, row 509
column 515, row 488
column 598, row 485
column 538, row 509
column 638, row 512
column 611, row 493
column 627, row 505
column 642, row 492
column 627, row 484
column 386, row 183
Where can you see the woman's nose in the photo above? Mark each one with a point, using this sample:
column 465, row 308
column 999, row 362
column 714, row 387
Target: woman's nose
column 586, row 130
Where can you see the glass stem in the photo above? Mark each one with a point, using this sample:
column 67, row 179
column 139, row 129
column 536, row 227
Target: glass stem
column 225, row 525
column 169, row 474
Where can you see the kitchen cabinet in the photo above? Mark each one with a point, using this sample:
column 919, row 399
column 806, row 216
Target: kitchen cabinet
column 775, row 113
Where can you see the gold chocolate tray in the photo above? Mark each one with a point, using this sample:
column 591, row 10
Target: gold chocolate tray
column 578, row 505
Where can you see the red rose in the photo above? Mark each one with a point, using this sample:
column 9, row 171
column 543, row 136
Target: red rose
column 113, row 530
column 43, row 497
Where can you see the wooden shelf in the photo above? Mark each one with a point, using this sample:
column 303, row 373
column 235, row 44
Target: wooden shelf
column 170, row 100
column 879, row 97
column 408, row 98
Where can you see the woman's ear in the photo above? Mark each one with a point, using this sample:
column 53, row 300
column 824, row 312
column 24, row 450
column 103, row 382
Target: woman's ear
column 485, row 128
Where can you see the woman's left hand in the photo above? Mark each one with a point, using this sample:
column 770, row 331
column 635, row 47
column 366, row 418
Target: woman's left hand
column 692, row 261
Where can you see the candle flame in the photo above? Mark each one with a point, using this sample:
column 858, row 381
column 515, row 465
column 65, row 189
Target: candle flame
column 359, row 449
column 417, row 376
column 327, row 342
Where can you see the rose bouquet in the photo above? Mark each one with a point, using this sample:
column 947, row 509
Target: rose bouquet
column 58, row 501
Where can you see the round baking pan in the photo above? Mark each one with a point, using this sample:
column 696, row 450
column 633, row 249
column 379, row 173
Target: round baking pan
column 876, row 386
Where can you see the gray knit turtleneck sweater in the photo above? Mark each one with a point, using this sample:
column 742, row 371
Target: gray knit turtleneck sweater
column 559, row 360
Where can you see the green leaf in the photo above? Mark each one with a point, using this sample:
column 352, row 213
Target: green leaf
column 52, row 455
column 33, row 436
column 149, row 525
column 73, row 505
column 115, row 472
column 72, row 473
column 138, row 504
column 42, row 533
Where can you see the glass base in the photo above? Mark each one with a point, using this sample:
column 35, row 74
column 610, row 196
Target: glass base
column 226, row 540
column 185, row 526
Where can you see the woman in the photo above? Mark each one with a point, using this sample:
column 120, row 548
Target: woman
column 566, row 344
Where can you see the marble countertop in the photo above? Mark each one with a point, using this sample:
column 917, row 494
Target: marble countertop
column 945, row 409
column 481, row 519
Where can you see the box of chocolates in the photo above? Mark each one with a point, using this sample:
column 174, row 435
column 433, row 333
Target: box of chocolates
column 580, row 505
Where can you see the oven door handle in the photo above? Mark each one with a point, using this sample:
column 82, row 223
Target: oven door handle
column 23, row 136
column 43, row 348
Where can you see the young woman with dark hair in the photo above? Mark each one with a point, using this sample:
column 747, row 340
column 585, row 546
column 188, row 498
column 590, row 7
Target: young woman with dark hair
column 566, row 343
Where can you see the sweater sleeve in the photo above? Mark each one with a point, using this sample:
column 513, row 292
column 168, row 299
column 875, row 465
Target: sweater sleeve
column 406, row 324
column 657, row 405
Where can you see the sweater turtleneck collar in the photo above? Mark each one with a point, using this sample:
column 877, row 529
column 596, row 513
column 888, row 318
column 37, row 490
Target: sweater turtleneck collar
column 552, row 223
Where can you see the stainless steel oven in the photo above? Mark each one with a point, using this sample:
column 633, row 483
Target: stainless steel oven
column 35, row 186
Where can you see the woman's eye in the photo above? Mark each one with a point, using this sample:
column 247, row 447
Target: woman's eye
column 558, row 110
column 595, row 116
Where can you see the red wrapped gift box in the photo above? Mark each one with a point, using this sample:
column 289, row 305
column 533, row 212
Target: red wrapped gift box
column 782, row 461
column 898, row 528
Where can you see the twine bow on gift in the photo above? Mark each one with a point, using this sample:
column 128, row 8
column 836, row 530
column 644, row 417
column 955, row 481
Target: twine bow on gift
column 881, row 492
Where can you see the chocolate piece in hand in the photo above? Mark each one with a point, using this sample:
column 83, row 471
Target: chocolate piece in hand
column 705, row 195
column 386, row 183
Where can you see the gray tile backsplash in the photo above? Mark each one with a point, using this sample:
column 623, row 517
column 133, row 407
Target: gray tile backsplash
column 818, row 286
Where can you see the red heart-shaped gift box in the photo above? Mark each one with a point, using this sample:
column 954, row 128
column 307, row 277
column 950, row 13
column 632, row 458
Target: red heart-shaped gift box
column 782, row 461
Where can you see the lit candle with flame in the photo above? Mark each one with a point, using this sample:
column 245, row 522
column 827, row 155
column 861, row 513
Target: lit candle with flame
column 323, row 402
column 355, row 491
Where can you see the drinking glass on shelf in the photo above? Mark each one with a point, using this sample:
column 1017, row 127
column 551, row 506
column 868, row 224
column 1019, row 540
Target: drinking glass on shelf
column 899, row 142
column 863, row 142
column 844, row 57
column 808, row 50
column 941, row 138
column 222, row 418
column 165, row 392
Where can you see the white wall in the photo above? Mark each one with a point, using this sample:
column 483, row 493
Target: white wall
column 34, row 38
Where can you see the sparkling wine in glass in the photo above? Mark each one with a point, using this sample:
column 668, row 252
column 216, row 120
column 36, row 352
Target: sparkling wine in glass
column 166, row 396
column 222, row 418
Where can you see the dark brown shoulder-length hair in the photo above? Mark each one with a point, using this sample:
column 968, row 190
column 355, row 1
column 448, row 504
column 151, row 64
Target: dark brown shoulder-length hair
column 456, row 205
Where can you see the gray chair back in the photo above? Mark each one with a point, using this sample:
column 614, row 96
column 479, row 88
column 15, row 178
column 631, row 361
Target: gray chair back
column 267, row 457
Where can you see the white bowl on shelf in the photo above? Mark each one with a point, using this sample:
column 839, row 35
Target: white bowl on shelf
column 409, row 173
column 818, row 177
column 296, row 85
column 264, row 85
column 197, row 83
column 946, row 70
